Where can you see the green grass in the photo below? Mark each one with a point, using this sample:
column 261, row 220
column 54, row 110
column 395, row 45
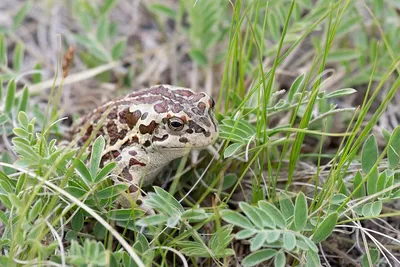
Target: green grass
column 300, row 165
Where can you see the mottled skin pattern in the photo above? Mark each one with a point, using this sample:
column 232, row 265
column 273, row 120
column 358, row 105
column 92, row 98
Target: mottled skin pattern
column 146, row 130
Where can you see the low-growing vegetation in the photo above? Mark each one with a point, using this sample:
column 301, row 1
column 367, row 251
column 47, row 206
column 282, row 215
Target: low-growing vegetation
column 306, row 170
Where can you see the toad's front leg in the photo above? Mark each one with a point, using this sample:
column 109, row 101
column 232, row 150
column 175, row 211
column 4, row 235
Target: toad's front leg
column 131, row 170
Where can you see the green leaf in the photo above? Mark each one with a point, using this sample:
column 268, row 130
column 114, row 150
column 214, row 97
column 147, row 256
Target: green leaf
column 23, row 119
column 372, row 181
column 300, row 212
column 118, row 49
column 376, row 208
column 366, row 209
column 313, row 259
column 325, row 228
column 289, row 241
column 251, row 214
column 3, row 218
column 258, row 241
column 356, row 183
column 18, row 57
column 124, row 214
column 280, row 259
column 163, row 10
column 19, row 17
column 236, row 218
column 342, row 55
column 34, row 212
column 195, row 215
column 3, row 119
column 107, row 6
column 83, row 172
column 10, row 96
column 338, row 198
column 194, row 249
column 37, row 76
column 273, row 212
column 340, row 93
column 389, row 183
column 14, row 200
column 232, row 149
column 244, row 234
column 173, row 221
column 369, row 154
column 394, row 149
column 258, row 257
column 3, row 55
column 111, row 191
column 198, row 57
column 76, row 191
column 374, row 254
column 102, row 29
column 296, row 85
column 381, row 182
column 24, row 99
column 272, row 236
column 97, row 150
column 99, row 231
column 1, row 79
column 77, row 221
column 105, row 171
column 286, row 205
column 152, row 220
column 239, row 131
column 229, row 181
column 221, row 240
column 169, row 199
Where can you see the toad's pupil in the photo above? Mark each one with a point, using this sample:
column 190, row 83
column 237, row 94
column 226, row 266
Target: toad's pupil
column 176, row 124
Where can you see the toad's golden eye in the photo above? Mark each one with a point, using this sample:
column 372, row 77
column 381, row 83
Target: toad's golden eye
column 175, row 124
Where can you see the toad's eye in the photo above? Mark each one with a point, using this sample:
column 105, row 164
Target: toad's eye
column 175, row 124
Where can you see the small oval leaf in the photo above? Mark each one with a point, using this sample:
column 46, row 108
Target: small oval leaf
column 325, row 228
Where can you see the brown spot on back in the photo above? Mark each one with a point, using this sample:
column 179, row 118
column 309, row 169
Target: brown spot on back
column 176, row 108
column 108, row 156
column 202, row 107
column 183, row 92
column 112, row 131
column 86, row 136
column 129, row 118
column 122, row 133
column 113, row 114
column 129, row 143
column 197, row 111
column 161, row 107
column 149, row 129
column 197, row 97
column 133, row 162
column 126, row 174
